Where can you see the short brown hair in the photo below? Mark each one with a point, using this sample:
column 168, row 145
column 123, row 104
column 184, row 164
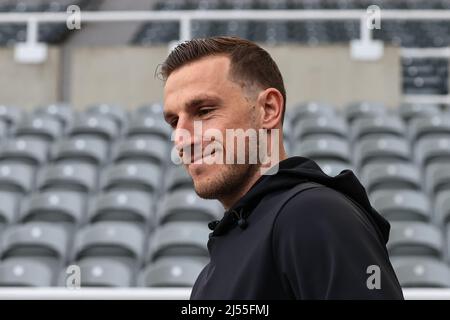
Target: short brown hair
column 249, row 62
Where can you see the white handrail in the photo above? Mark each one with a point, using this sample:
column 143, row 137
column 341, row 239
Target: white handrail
column 51, row 293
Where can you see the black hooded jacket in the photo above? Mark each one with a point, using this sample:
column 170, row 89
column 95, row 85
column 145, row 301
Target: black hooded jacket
column 300, row 234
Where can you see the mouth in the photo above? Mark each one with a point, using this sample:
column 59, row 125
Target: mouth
column 200, row 158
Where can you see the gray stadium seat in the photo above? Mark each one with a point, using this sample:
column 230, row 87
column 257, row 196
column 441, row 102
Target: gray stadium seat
column 129, row 206
column 132, row 176
column 179, row 239
column 41, row 127
column 364, row 109
column 40, row 240
column 8, row 208
column 59, row 111
column 24, row 150
column 119, row 240
column 384, row 150
column 16, row 177
column 171, row 272
column 142, row 149
column 54, row 206
column 25, row 272
column 148, row 125
column 185, row 205
column 78, row 177
column 442, row 208
column 398, row 205
column 430, row 150
column 153, row 109
column 102, row 272
column 178, row 178
column 11, row 115
column 415, row 239
column 311, row 109
column 94, row 126
column 82, row 150
column 114, row 112
column 377, row 176
column 417, row 272
column 410, row 111
column 437, row 177
column 378, row 127
column 321, row 127
column 329, row 149
column 435, row 126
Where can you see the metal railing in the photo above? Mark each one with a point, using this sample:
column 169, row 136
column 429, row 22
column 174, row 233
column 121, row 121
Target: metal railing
column 54, row 293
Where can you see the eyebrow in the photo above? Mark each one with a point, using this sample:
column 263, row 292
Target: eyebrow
column 195, row 103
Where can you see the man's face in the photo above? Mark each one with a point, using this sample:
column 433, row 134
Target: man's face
column 203, row 91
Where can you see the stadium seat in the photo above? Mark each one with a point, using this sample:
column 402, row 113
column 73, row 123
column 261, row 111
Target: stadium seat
column 62, row 112
column 148, row 125
column 171, row 272
column 120, row 241
column 132, row 176
column 16, row 177
column 142, row 150
column 185, row 205
column 382, row 150
column 174, row 239
column 378, row 127
column 24, row 150
column 42, row 127
column 94, row 126
column 365, row 109
column 80, row 150
column 78, row 177
column 101, row 272
column 311, row 109
column 42, row 241
column 435, row 126
column 419, row 272
column 398, row 205
column 324, row 149
column 25, row 272
column 378, row 176
column 114, row 112
column 54, row 206
column 127, row 206
column 431, row 150
column 410, row 111
column 320, row 127
column 415, row 239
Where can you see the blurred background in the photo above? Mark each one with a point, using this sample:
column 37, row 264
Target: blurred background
column 85, row 172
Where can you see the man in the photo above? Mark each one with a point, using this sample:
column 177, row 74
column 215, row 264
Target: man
column 295, row 234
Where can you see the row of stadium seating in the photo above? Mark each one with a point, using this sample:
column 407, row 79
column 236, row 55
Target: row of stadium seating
column 98, row 189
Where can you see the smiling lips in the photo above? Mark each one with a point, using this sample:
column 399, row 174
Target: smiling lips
column 199, row 158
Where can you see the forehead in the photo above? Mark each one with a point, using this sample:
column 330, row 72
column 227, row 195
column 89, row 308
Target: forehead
column 208, row 75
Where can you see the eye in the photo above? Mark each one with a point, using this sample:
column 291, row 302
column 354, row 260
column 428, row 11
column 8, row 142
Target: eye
column 204, row 111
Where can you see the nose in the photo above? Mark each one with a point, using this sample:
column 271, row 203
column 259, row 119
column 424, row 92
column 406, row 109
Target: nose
column 186, row 140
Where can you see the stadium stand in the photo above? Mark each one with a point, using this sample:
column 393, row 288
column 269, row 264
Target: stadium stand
column 96, row 187
column 92, row 193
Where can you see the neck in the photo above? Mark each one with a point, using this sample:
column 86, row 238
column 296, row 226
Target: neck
column 229, row 200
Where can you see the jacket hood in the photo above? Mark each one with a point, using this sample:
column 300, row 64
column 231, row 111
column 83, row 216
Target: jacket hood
column 291, row 172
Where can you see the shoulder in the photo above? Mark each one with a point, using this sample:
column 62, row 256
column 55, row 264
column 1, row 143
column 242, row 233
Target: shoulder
column 319, row 211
